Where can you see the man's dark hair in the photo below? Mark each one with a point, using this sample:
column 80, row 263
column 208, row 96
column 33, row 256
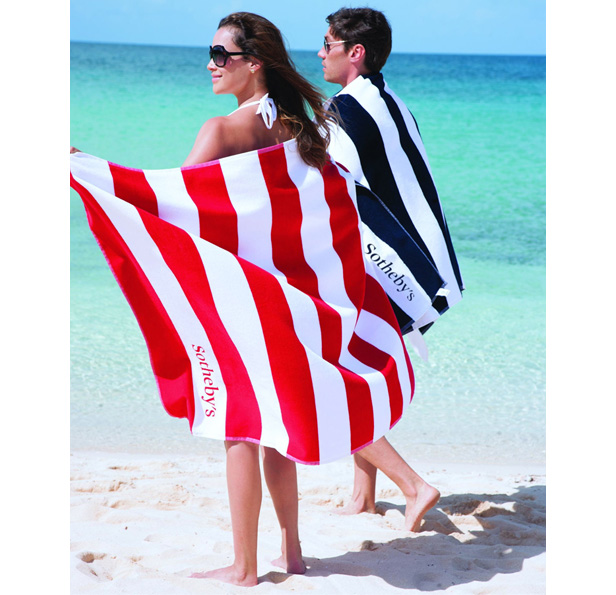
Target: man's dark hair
column 367, row 27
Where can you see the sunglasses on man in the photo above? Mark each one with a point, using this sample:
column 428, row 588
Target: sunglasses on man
column 220, row 56
column 327, row 44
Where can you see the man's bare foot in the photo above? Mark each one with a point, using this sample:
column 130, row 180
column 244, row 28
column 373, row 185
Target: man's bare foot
column 229, row 574
column 291, row 565
column 416, row 507
column 359, row 505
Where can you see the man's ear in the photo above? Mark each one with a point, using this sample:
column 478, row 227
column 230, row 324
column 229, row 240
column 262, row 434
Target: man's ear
column 357, row 53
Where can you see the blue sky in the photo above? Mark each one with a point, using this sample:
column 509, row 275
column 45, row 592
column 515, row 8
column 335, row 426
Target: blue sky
column 423, row 26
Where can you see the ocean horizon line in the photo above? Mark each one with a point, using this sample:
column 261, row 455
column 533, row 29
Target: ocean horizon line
column 205, row 47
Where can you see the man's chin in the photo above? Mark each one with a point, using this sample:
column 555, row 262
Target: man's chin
column 329, row 79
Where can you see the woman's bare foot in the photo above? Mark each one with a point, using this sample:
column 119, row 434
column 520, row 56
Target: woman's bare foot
column 292, row 565
column 417, row 506
column 229, row 574
column 291, row 560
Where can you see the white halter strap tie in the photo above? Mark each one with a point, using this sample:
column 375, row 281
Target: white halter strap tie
column 267, row 109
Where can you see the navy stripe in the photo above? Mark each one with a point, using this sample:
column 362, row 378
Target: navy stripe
column 366, row 136
column 384, row 225
column 422, row 173
column 405, row 322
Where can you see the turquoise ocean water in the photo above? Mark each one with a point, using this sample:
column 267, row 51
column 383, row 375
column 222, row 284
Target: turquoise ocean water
column 481, row 396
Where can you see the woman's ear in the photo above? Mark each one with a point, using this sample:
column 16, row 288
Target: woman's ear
column 254, row 65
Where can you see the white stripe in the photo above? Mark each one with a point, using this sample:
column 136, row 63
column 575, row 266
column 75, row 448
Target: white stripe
column 323, row 257
column 350, row 184
column 375, row 331
column 403, row 288
column 174, row 203
column 430, row 316
column 343, row 150
column 239, row 315
column 454, row 294
column 327, row 383
column 379, row 395
column 332, row 409
column 250, row 198
column 94, row 170
column 317, row 242
column 411, row 125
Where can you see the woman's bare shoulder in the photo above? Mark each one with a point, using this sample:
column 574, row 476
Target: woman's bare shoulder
column 217, row 124
column 212, row 142
column 238, row 132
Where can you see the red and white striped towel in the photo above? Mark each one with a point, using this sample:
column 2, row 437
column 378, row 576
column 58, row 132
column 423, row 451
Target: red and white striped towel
column 248, row 280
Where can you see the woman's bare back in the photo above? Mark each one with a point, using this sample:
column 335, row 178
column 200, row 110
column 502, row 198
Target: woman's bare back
column 241, row 131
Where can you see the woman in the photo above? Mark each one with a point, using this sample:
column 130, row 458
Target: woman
column 263, row 327
column 249, row 60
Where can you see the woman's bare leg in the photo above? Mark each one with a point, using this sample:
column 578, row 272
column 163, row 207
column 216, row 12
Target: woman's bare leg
column 244, row 486
column 281, row 478
column 419, row 495
column 364, row 487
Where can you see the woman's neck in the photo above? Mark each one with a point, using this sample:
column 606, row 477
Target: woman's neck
column 251, row 95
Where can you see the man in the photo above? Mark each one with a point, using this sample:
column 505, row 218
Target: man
column 405, row 233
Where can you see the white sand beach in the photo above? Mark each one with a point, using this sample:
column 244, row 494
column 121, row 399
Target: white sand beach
column 144, row 523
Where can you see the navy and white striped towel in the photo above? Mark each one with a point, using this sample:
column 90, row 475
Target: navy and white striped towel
column 405, row 232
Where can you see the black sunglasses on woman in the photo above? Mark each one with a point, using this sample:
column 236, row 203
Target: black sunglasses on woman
column 220, row 56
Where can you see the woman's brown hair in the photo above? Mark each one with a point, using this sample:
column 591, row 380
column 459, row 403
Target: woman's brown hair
column 295, row 97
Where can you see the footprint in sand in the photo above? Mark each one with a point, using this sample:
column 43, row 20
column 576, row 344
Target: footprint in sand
column 103, row 487
column 90, row 566
column 105, row 567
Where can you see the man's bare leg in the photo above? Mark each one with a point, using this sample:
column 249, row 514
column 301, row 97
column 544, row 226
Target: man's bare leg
column 364, row 487
column 244, row 486
column 420, row 496
column 281, row 478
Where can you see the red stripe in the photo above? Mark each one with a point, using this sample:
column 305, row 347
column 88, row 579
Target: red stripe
column 167, row 354
column 288, row 363
column 131, row 186
column 359, row 405
column 217, row 216
column 288, row 251
column 344, row 223
column 383, row 362
column 346, row 237
column 288, row 358
column 376, row 302
column 289, row 258
column 243, row 418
